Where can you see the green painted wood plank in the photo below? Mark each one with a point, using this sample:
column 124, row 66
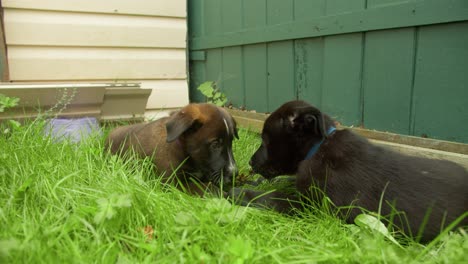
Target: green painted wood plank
column 279, row 11
column 197, row 55
column 441, row 82
column 196, row 77
column 341, row 92
column 405, row 14
column 309, row 70
column 254, row 13
column 308, row 54
column 343, row 60
column 212, row 18
column 195, row 10
column 388, row 79
column 233, row 83
column 376, row 3
column 280, row 57
column 306, row 9
column 233, row 79
column 281, row 87
column 255, row 77
column 213, row 66
column 231, row 15
column 195, row 18
column 255, row 59
column 344, row 6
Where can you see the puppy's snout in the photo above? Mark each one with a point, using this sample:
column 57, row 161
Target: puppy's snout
column 231, row 170
column 227, row 181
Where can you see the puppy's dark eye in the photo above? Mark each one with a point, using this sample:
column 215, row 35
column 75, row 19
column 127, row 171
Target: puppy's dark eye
column 216, row 144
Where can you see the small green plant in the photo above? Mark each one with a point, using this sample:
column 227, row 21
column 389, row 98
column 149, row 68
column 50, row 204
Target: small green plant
column 66, row 97
column 108, row 206
column 212, row 93
column 374, row 225
column 5, row 103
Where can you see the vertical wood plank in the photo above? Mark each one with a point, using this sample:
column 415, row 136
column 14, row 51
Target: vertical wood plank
column 212, row 17
column 255, row 70
column 307, row 9
column 197, row 77
column 255, row 59
column 309, row 55
column 279, row 11
column 196, row 68
column 232, row 83
column 195, row 18
column 280, row 74
column 388, row 79
column 341, row 96
column 233, row 79
column 213, row 66
column 309, row 70
column 441, row 82
column 280, row 65
column 344, row 6
column 213, row 25
column 254, row 13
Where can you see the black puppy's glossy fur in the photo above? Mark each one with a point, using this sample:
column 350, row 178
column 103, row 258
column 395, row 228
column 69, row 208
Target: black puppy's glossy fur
column 352, row 171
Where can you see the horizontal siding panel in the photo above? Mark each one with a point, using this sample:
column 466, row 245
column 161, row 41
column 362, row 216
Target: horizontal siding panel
column 32, row 27
column 166, row 93
column 69, row 63
column 172, row 8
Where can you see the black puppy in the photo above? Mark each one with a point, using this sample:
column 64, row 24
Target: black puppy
column 298, row 139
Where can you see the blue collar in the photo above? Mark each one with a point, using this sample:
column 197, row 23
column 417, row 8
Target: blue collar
column 315, row 147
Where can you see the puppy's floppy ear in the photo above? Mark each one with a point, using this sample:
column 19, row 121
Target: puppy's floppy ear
column 232, row 122
column 307, row 119
column 178, row 124
column 234, row 127
column 317, row 121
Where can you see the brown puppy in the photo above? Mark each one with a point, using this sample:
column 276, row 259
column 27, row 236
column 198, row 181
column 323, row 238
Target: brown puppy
column 198, row 137
column 298, row 139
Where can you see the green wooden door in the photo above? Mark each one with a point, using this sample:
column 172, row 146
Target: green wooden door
column 390, row 65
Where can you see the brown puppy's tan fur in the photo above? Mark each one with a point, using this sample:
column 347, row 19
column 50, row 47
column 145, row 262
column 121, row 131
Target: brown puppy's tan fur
column 189, row 131
column 147, row 139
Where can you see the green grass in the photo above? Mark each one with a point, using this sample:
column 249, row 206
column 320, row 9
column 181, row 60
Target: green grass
column 61, row 202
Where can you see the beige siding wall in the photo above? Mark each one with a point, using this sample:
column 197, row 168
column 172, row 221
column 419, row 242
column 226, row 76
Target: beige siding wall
column 95, row 41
